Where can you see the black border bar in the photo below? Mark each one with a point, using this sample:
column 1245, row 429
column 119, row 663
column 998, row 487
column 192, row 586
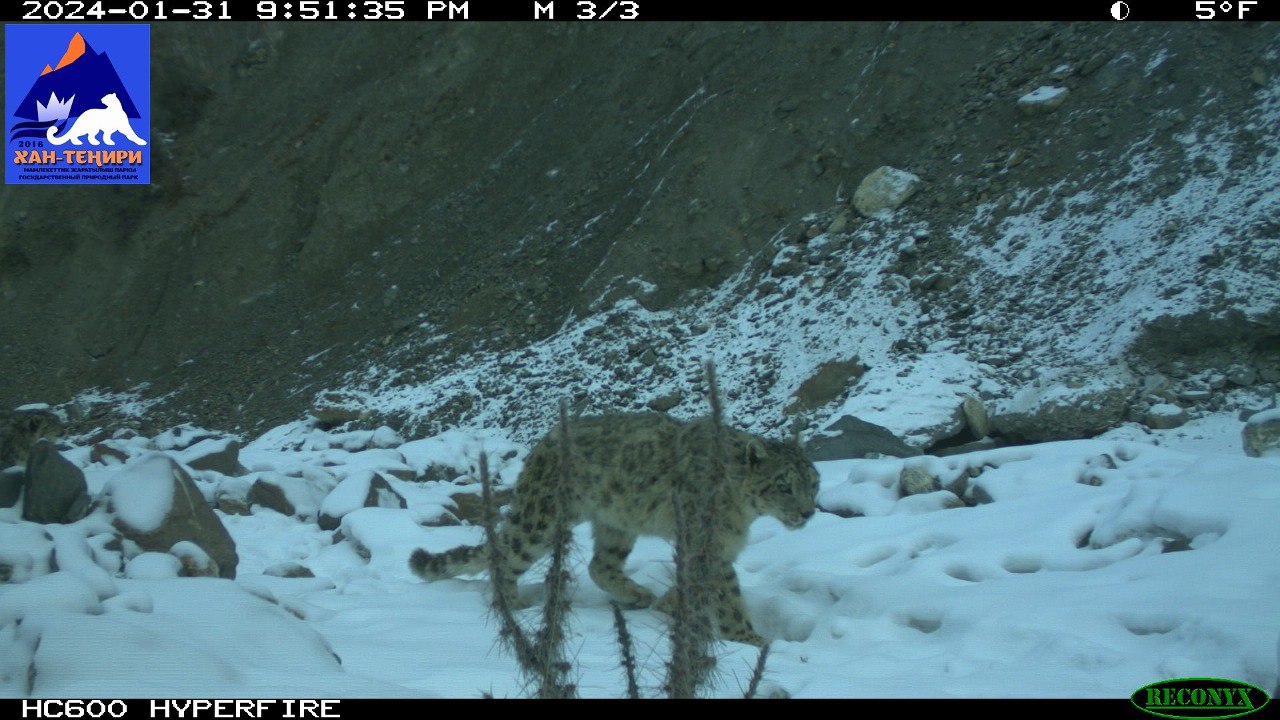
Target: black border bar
column 1218, row 12
column 358, row 709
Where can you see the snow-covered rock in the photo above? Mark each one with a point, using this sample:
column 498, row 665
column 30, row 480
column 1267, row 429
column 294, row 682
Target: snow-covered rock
column 363, row 489
column 202, row 637
column 975, row 417
column 153, row 566
column 1261, row 434
column 1067, row 404
column 1165, row 416
column 916, row 480
column 156, row 504
column 221, row 456
column 851, row 437
column 195, row 561
column 1043, row 99
column 917, row 400
column 291, row 495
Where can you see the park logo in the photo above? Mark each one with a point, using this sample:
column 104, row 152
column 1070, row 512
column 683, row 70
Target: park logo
column 1199, row 698
column 78, row 104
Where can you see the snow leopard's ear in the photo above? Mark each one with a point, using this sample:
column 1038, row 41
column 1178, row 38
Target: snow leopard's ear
column 755, row 451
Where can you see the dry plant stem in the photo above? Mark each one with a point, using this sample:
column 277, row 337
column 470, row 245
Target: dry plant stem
column 503, row 603
column 754, row 686
column 626, row 651
column 692, row 636
column 551, row 639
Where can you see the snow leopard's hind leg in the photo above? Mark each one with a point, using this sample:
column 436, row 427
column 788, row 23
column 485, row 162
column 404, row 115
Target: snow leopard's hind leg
column 612, row 546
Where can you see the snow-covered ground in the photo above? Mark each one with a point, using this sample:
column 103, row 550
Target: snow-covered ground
column 1096, row 567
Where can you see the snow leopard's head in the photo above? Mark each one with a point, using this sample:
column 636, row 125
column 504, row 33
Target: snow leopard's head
column 783, row 483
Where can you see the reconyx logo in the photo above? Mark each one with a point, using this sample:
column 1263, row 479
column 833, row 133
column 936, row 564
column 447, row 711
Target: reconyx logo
column 1200, row 698
column 77, row 99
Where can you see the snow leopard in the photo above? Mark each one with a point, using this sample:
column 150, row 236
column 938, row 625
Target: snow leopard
column 625, row 470
column 20, row 429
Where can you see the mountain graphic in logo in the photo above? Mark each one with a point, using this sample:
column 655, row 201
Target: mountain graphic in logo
column 78, row 83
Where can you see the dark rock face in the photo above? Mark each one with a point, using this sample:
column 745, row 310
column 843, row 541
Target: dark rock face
column 55, row 488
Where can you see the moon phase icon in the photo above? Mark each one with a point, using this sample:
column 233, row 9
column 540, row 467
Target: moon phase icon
column 1120, row 10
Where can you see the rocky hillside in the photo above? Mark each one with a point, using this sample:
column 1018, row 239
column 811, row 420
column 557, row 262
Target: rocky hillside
column 438, row 225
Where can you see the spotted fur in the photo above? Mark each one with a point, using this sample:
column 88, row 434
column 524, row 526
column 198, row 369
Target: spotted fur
column 625, row 469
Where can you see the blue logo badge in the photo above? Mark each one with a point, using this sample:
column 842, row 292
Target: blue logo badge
column 78, row 104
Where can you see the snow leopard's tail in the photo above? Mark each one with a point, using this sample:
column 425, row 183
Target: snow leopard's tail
column 53, row 131
column 458, row 561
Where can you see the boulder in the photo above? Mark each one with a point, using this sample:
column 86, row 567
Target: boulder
column 232, row 505
column 850, row 437
column 156, row 504
column 195, row 561
column 1067, row 404
column 884, row 189
column 221, row 456
column 364, row 489
column 1043, row 99
column 975, row 417
column 891, row 394
column 666, row 402
column 385, row 438
column 55, row 489
column 1261, row 434
column 181, row 437
column 107, row 454
column 1165, row 416
column 153, row 566
column 290, row 494
column 825, row 385
column 1242, row 375
column 916, row 480
column 334, row 407
column 270, row 495
column 11, row 482
column 289, row 570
